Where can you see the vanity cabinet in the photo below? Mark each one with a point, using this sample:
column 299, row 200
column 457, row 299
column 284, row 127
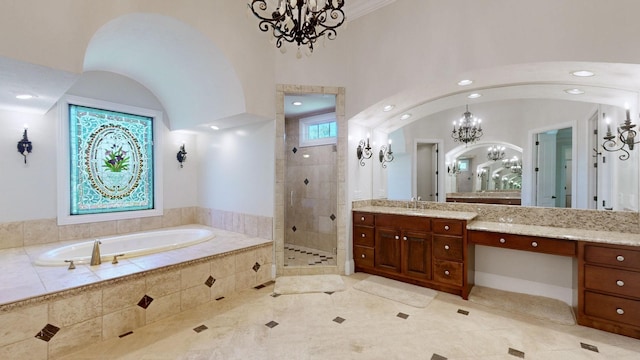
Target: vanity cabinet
column 609, row 288
column 416, row 249
column 524, row 242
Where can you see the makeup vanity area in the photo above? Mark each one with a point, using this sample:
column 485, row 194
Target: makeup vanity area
column 435, row 247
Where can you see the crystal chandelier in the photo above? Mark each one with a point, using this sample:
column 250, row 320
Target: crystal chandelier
column 299, row 21
column 626, row 135
column 495, row 153
column 469, row 129
column 515, row 165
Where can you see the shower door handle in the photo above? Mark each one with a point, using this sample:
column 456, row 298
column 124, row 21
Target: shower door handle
column 291, row 198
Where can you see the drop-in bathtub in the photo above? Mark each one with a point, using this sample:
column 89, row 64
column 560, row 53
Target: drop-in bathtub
column 131, row 245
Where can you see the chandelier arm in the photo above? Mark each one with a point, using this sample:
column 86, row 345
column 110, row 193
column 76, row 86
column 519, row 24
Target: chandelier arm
column 610, row 146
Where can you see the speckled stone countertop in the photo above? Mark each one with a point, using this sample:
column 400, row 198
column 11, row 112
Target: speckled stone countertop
column 605, row 237
column 457, row 215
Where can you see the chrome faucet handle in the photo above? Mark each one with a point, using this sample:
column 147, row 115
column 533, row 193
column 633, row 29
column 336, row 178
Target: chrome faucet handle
column 419, row 198
column 115, row 258
column 71, row 265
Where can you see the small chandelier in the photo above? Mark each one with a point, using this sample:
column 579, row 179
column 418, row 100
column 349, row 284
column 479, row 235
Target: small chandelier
column 515, row 165
column 469, row 129
column 299, row 21
column 626, row 134
column 495, row 153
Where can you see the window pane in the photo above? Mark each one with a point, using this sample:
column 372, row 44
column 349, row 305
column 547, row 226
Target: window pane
column 313, row 132
column 323, row 130
column 334, row 129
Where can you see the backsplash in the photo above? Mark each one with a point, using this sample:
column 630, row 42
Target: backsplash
column 600, row 220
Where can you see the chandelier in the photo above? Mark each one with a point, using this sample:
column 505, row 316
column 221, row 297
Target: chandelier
column 515, row 165
column 626, row 135
column 495, row 153
column 299, row 21
column 469, row 129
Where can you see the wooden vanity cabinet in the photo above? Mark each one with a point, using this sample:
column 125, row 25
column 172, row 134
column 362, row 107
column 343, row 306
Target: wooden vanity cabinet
column 524, row 242
column 609, row 288
column 420, row 250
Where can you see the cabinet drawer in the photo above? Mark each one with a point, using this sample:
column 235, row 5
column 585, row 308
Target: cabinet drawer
column 360, row 218
column 447, row 226
column 447, row 272
column 612, row 308
column 615, row 281
column 447, row 247
column 363, row 256
column 403, row 222
column 621, row 257
column 363, row 235
column 522, row 242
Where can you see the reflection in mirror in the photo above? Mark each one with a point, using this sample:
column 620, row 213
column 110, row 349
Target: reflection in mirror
column 553, row 168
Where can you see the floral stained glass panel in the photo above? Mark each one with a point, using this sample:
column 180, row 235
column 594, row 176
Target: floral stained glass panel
column 111, row 161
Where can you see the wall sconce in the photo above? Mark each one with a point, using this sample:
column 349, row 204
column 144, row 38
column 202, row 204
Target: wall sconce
column 626, row 134
column 386, row 155
column 24, row 145
column 364, row 151
column 454, row 168
column 182, row 155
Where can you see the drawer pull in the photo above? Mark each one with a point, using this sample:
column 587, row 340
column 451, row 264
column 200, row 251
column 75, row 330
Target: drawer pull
column 446, row 272
column 446, row 247
column 502, row 241
column 620, row 283
column 362, row 218
column 534, row 244
column 620, row 258
column 620, row 311
column 397, row 237
column 446, row 227
column 363, row 256
column 404, row 238
column 363, row 235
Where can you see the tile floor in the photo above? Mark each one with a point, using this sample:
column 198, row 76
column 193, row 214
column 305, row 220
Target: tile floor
column 352, row 324
column 296, row 255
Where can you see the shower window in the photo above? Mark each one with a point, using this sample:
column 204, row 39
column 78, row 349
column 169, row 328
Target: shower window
column 318, row 130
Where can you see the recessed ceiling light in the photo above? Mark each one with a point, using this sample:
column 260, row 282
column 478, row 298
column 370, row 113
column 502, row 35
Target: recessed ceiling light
column 465, row 82
column 296, row 103
column 24, row 96
column 306, row 156
column 405, row 116
column 215, row 127
column 574, row 91
column 388, row 108
column 583, row 73
column 474, row 96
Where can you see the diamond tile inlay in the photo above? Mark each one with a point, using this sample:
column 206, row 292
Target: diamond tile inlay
column 438, row 357
column 403, row 316
column 210, row 281
column 589, row 347
column 339, row 320
column 332, row 217
column 516, row 353
column 47, row 332
column 271, row 324
column 294, row 150
column 294, row 230
column 306, row 181
column 200, row 328
column 256, row 267
column 145, row 301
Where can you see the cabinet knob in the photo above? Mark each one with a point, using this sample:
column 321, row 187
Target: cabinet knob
column 502, row 241
column 534, row 244
column 397, row 237
column 620, row 311
column 363, row 235
column 620, row 283
column 446, row 272
column 363, row 256
column 446, row 247
column 446, row 227
column 404, row 238
column 362, row 218
column 620, row 258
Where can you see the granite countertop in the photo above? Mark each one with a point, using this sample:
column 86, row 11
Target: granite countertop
column 605, row 237
column 456, row 215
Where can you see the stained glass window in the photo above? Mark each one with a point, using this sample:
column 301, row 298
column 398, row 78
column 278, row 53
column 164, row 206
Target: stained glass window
column 111, row 158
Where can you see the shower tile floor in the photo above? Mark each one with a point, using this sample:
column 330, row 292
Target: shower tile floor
column 295, row 255
column 351, row 324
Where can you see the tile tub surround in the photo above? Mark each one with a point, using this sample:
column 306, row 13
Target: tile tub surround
column 94, row 303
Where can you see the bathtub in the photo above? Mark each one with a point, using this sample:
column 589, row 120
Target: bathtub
column 131, row 245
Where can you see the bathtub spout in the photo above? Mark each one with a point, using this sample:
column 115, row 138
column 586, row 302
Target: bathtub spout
column 95, row 254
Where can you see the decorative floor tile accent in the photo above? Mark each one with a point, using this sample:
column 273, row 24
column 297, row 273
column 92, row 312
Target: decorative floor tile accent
column 271, row 324
column 438, row 357
column 329, row 292
column 259, row 287
column 301, row 256
column 403, row 316
column 256, row 267
column 145, row 301
column 210, row 281
column 589, row 347
column 200, row 328
column 306, row 181
column 332, row 217
column 47, row 332
column 294, row 230
column 339, row 320
column 220, row 298
column 294, row 150
column 463, row 312
column 516, row 353
column 275, row 295
column 125, row 334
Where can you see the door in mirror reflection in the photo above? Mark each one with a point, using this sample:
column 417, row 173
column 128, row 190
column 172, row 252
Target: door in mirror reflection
column 427, row 171
column 553, row 178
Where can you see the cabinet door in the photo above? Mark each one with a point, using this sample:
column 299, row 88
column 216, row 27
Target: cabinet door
column 387, row 251
column 417, row 254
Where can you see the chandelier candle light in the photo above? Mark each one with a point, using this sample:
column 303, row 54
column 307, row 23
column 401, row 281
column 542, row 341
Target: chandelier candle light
column 299, row 21
column 626, row 135
column 364, row 151
column 496, row 153
column 385, row 155
column 469, row 129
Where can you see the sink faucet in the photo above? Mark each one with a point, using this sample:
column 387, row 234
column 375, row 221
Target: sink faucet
column 414, row 201
column 95, row 254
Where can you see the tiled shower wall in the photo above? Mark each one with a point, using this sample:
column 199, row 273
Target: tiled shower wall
column 310, row 192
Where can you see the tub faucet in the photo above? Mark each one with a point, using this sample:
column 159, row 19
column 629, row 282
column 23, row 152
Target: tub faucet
column 95, row 254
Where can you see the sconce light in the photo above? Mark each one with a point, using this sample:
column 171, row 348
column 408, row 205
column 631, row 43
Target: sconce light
column 482, row 173
column 386, row 155
column 182, row 155
column 453, row 168
column 364, row 151
column 626, row 134
column 24, row 145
